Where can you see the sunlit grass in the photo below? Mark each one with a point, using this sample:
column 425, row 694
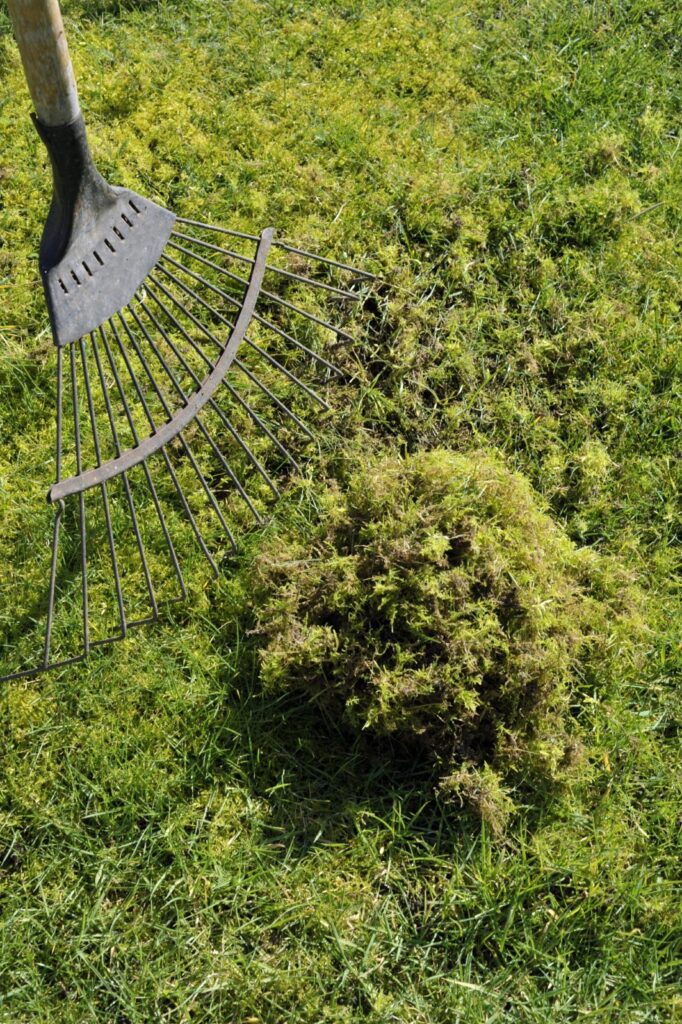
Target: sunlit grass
column 176, row 845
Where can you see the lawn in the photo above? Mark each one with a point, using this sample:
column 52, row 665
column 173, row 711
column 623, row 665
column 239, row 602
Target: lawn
column 180, row 842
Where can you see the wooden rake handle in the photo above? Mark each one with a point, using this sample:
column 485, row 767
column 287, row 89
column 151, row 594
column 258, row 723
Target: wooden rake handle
column 39, row 32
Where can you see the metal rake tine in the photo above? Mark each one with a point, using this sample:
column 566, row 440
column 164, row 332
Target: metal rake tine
column 268, row 295
column 103, row 489
column 268, row 324
column 234, row 433
column 189, row 513
column 365, row 274
column 256, row 316
column 176, row 323
column 280, row 245
column 131, row 421
column 150, row 418
column 143, row 359
column 288, row 374
column 215, row 312
column 53, row 582
column 274, row 270
column 230, row 472
column 60, row 512
column 210, row 495
column 155, row 349
column 135, row 382
column 166, row 458
column 214, row 405
column 124, row 475
column 273, row 398
column 278, row 402
column 195, row 465
column 251, row 412
column 81, row 502
column 201, row 425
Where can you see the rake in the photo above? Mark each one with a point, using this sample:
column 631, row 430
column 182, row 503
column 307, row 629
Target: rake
column 180, row 355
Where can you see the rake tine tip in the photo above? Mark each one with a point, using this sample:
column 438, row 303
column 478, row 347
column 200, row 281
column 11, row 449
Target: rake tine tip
column 281, row 244
column 270, row 268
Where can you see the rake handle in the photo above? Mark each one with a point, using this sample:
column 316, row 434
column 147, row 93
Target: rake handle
column 39, row 32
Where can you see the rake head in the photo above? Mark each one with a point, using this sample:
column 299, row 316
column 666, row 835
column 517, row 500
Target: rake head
column 181, row 353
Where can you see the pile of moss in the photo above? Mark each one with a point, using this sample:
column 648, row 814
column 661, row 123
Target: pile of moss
column 438, row 603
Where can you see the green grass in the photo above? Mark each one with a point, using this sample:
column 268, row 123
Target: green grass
column 176, row 845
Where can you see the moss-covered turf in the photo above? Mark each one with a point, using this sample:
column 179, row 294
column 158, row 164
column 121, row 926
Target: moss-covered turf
column 179, row 842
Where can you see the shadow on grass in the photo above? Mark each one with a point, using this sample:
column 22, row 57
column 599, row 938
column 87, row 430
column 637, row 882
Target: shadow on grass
column 322, row 780
column 97, row 9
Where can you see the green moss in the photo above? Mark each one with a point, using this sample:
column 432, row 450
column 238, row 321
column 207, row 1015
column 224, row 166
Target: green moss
column 438, row 602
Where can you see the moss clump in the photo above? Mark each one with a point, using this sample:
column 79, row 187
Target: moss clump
column 440, row 604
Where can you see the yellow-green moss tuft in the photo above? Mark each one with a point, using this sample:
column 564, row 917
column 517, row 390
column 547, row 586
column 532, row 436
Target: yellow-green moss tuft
column 440, row 604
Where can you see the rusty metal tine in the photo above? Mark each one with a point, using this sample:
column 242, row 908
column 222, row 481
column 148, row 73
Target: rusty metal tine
column 195, row 345
column 256, row 316
column 136, row 384
column 202, row 280
column 119, row 386
column 274, row 270
column 145, row 467
column 251, row 412
column 268, row 295
column 263, row 426
column 166, row 458
column 155, row 349
column 103, row 489
column 271, row 359
column 81, row 502
column 124, row 476
column 234, row 433
column 294, row 379
column 281, row 245
column 214, row 405
column 188, row 511
column 268, row 324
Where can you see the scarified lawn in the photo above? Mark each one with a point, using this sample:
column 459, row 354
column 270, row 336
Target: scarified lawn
column 179, row 843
